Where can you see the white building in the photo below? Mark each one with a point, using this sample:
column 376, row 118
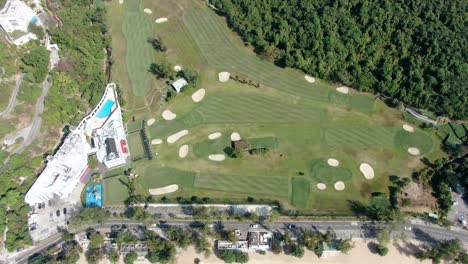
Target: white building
column 62, row 172
column 16, row 16
column 179, row 84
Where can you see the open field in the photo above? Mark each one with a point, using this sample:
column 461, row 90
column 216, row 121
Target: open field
column 300, row 124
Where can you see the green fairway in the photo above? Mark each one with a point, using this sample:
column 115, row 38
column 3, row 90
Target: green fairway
column 300, row 124
column 277, row 186
column 137, row 28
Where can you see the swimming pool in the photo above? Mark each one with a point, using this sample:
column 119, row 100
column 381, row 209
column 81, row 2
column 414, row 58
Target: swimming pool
column 34, row 20
column 106, row 109
column 94, row 196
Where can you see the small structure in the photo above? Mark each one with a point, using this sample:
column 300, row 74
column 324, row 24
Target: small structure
column 259, row 240
column 238, row 245
column 329, row 250
column 139, row 248
column 240, row 144
column 14, row 20
column 179, row 84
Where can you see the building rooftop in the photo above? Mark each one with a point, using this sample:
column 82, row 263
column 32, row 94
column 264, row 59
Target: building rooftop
column 62, row 172
column 179, row 84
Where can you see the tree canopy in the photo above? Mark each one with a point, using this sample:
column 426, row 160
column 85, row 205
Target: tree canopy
column 412, row 50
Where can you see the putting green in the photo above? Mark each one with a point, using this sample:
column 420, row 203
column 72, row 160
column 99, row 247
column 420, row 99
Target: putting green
column 320, row 171
column 300, row 192
column 405, row 140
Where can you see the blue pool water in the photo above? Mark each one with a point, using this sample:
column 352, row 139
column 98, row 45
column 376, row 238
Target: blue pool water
column 106, row 109
column 34, row 20
column 94, row 196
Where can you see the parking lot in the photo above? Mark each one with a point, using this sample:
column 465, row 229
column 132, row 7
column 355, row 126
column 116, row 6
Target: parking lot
column 459, row 211
column 50, row 217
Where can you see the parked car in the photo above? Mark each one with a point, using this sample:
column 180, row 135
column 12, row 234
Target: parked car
column 254, row 226
column 291, row 227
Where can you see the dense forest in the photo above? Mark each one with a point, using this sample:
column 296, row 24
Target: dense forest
column 79, row 79
column 413, row 50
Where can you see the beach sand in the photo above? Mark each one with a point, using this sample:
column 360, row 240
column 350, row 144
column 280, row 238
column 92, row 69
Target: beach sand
column 358, row 255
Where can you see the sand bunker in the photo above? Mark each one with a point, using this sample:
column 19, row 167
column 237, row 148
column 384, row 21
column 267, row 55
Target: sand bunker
column 168, row 115
column 339, row 186
column 235, row 136
column 217, row 157
column 198, row 95
column 156, row 141
column 173, row 138
column 177, row 68
column 223, row 76
column 367, row 170
column 161, row 20
column 214, row 135
column 309, row 78
column 408, row 128
column 321, row 186
column 148, row 11
column 163, row 190
column 343, row 89
column 121, row 1
column 151, row 121
column 183, row 151
column 414, row 151
column 333, row 162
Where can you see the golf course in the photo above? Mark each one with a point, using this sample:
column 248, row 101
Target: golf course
column 305, row 140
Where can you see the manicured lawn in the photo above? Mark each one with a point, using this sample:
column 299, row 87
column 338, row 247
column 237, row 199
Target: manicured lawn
column 114, row 191
column 301, row 124
column 135, row 144
column 300, row 192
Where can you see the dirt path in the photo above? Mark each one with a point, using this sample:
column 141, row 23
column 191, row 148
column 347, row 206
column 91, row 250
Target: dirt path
column 13, row 101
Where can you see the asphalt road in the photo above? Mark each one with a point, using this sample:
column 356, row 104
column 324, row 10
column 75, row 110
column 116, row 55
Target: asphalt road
column 421, row 231
column 12, row 103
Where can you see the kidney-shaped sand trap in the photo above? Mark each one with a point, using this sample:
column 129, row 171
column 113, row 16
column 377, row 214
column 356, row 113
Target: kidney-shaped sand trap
column 309, row 78
column 408, row 128
column 151, row 121
column 414, row 151
column 168, row 115
column 367, row 171
column 223, row 76
column 161, row 20
column 343, row 89
column 148, row 11
column 214, row 135
column 173, row 138
column 321, row 186
column 156, row 141
column 198, row 95
column 164, row 190
column 333, row 162
column 217, row 157
column 339, row 186
column 235, row 136
column 183, row 151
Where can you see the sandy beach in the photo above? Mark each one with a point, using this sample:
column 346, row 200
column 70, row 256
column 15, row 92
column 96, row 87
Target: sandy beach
column 358, row 255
